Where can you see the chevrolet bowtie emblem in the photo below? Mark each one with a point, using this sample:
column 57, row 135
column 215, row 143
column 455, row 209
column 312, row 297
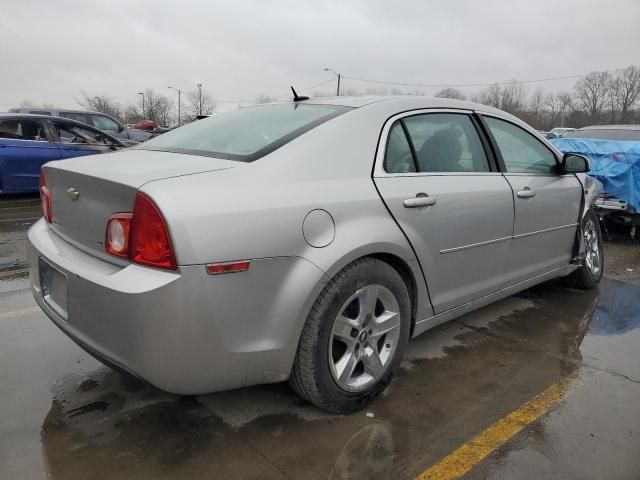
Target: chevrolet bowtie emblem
column 73, row 194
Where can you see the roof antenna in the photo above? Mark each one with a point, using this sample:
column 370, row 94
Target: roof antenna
column 296, row 97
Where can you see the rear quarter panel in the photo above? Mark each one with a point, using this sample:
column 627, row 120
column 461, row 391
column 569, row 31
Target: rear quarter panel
column 258, row 211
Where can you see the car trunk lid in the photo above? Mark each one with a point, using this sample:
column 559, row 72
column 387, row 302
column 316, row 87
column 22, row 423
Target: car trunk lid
column 86, row 191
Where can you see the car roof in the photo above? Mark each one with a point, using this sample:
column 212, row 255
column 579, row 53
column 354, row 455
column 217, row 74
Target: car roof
column 401, row 102
column 28, row 115
column 56, row 109
column 611, row 127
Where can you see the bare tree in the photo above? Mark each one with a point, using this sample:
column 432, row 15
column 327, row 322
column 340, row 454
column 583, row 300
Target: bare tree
column 513, row 97
column 536, row 101
column 490, row 96
column 592, row 93
column 625, row 91
column 551, row 106
column 101, row 103
column 510, row 97
column 566, row 103
column 453, row 93
column 199, row 102
column 132, row 114
column 157, row 107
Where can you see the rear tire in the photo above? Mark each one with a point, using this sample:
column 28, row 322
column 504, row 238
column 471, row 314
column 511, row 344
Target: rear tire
column 354, row 337
column 588, row 275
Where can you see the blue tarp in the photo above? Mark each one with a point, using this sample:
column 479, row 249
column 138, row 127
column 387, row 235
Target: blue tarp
column 615, row 163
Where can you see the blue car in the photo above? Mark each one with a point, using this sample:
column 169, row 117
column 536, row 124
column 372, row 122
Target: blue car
column 29, row 141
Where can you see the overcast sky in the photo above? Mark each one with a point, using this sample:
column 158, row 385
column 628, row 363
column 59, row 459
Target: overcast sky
column 52, row 51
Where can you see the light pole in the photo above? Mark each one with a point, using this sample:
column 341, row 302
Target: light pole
column 199, row 99
column 327, row 69
column 142, row 94
column 179, row 93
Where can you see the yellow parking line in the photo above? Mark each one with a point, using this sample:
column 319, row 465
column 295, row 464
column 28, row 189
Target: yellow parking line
column 472, row 452
column 17, row 313
column 11, row 273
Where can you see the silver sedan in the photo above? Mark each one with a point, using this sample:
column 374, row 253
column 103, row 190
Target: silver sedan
column 305, row 241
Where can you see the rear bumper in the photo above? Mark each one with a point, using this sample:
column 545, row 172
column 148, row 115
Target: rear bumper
column 184, row 332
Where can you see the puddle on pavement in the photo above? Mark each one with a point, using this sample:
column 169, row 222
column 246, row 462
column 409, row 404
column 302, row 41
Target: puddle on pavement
column 457, row 380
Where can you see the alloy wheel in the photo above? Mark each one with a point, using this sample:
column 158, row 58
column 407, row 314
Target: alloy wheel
column 364, row 338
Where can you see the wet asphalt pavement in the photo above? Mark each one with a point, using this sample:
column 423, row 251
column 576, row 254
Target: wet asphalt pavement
column 63, row 415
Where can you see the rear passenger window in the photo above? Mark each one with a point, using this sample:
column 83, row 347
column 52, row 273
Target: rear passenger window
column 73, row 134
column 446, row 142
column 398, row 157
column 78, row 117
column 22, row 130
column 521, row 151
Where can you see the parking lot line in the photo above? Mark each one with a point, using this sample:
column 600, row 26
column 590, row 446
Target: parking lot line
column 465, row 457
column 17, row 313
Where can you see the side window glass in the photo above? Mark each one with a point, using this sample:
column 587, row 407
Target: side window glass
column 446, row 142
column 78, row 117
column 40, row 112
column 398, row 157
column 105, row 123
column 77, row 135
column 22, row 130
column 521, row 151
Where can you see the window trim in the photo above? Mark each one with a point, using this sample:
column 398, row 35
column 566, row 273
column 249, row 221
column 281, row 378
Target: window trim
column 380, row 172
column 496, row 148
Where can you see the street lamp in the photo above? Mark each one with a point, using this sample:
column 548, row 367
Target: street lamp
column 142, row 94
column 199, row 99
column 327, row 69
column 179, row 93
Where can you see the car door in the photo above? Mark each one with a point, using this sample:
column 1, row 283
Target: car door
column 76, row 141
column 438, row 179
column 24, row 148
column 547, row 204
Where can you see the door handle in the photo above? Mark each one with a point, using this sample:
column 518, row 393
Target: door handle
column 526, row 193
column 419, row 202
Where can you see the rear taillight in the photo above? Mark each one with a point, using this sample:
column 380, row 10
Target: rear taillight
column 45, row 199
column 150, row 243
column 141, row 236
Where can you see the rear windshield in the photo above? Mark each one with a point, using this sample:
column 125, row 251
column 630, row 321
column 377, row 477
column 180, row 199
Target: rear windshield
column 245, row 134
column 606, row 134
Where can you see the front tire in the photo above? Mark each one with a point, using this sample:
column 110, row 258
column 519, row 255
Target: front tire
column 588, row 275
column 354, row 337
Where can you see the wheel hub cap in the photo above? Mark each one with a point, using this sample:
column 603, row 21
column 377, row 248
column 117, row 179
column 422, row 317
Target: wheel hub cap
column 364, row 338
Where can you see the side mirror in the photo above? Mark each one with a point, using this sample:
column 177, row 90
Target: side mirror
column 575, row 163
